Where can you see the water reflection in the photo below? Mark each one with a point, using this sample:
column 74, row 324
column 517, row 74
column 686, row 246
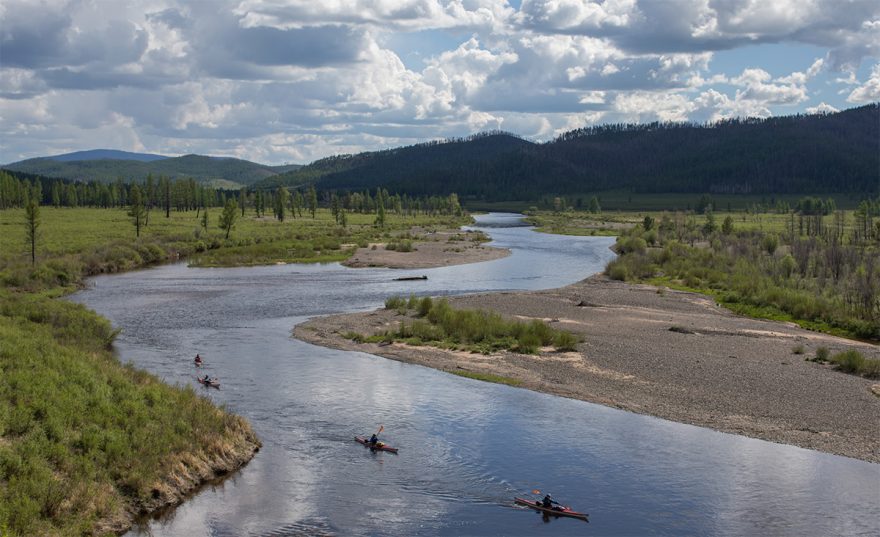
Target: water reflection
column 466, row 448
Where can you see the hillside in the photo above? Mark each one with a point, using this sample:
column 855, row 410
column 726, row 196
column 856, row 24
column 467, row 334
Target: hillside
column 795, row 154
column 426, row 168
column 222, row 171
column 111, row 154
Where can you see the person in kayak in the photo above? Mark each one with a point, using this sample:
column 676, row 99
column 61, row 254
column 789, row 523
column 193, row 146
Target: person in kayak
column 374, row 441
column 548, row 502
column 198, row 360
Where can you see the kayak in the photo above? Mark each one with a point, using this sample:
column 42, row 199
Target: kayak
column 211, row 383
column 380, row 446
column 562, row 511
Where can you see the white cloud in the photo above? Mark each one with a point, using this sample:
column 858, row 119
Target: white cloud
column 869, row 91
column 639, row 106
column 576, row 15
column 821, row 108
column 408, row 15
column 281, row 80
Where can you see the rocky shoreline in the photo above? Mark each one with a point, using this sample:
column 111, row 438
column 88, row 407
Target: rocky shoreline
column 670, row 354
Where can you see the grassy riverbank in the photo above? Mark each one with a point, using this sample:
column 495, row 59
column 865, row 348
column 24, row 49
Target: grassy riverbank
column 819, row 271
column 87, row 443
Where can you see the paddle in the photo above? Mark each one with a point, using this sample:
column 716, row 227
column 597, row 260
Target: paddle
column 537, row 492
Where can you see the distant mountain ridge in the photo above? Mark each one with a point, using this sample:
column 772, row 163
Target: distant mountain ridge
column 832, row 153
column 822, row 153
column 109, row 154
column 108, row 165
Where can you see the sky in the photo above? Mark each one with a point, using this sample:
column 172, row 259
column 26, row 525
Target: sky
column 292, row 81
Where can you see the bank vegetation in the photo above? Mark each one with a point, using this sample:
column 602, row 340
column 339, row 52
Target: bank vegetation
column 88, row 443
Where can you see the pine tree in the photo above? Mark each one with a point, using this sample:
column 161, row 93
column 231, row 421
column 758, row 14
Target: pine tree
column 227, row 218
column 32, row 224
column 137, row 211
column 313, row 201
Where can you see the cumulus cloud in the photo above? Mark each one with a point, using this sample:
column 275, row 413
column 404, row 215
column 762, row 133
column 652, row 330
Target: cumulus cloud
column 406, row 15
column 821, row 108
column 576, row 16
column 869, row 91
column 295, row 80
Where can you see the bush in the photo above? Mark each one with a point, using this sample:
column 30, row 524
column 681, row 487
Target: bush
column 424, row 306
column 616, row 271
column 394, row 302
column 822, row 354
column 850, row 361
column 400, row 246
column 566, row 341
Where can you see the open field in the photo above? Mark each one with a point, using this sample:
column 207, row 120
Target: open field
column 253, row 240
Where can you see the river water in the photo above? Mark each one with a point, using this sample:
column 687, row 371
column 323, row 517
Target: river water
column 466, row 447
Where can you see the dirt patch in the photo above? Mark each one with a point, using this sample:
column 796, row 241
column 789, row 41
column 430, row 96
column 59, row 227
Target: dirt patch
column 717, row 370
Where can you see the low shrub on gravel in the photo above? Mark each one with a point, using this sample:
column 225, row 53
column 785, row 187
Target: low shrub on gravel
column 439, row 325
column 852, row 361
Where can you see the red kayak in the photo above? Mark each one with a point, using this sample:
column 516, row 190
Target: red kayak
column 380, row 446
column 211, row 383
column 555, row 511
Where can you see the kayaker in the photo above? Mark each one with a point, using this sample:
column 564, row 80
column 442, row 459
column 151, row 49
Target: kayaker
column 374, row 440
column 548, row 501
column 198, row 360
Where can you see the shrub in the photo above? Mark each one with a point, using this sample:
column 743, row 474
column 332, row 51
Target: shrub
column 850, row 361
column 425, row 305
column 871, row 368
column 822, row 354
column 400, row 246
column 394, row 302
column 798, row 349
column 770, row 242
column 616, row 271
column 565, row 341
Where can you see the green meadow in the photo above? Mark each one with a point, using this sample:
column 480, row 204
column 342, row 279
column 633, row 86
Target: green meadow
column 86, row 441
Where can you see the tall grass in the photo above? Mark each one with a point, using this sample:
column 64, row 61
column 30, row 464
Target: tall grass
column 83, row 438
column 438, row 324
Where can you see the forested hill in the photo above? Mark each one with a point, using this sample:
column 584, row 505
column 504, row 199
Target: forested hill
column 95, row 154
column 405, row 169
column 837, row 152
column 219, row 171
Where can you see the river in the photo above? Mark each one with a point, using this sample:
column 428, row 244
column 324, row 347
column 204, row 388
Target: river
column 466, row 447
